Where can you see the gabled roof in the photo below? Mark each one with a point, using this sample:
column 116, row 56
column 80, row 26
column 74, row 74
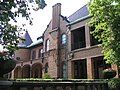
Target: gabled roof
column 82, row 12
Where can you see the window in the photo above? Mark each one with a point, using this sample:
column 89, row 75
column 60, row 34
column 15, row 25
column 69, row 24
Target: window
column 93, row 40
column 33, row 54
column 47, row 45
column 80, row 70
column 40, row 54
column 78, row 38
column 64, row 39
column 46, row 68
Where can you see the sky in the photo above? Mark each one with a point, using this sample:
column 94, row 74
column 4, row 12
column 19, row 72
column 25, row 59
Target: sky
column 41, row 18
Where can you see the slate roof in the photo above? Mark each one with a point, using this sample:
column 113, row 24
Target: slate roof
column 27, row 42
column 82, row 12
column 39, row 41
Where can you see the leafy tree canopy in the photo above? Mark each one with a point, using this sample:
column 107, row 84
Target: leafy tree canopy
column 106, row 20
column 10, row 10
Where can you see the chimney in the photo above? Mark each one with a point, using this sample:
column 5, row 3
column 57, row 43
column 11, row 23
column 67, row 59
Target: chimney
column 56, row 15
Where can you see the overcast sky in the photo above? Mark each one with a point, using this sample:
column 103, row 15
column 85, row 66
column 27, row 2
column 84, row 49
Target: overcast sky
column 43, row 17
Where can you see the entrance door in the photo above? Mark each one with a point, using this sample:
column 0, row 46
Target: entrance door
column 80, row 70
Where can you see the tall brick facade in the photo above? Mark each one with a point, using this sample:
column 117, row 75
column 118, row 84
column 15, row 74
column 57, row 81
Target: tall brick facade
column 67, row 50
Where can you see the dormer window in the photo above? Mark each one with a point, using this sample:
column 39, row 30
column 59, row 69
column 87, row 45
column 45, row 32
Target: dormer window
column 64, row 38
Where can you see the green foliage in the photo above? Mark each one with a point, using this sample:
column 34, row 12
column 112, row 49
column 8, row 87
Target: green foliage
column 47, row 76
column 114, row 84
column 109, row 73
column 41, row 3
column 10, row 10
column 106, row 20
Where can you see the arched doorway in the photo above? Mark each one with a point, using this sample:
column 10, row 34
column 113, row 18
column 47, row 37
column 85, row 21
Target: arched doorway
column 37, row 70
column 17, row 72
column 26, row 71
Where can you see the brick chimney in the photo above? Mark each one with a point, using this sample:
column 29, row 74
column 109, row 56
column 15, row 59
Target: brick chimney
column 56, row 11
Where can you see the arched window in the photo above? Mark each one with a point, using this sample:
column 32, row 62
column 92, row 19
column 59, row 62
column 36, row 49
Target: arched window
column 64, row 38
column 47, row 45
column 46, row 68
column 33, row 54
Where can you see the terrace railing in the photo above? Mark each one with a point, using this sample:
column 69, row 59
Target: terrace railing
column 56, row 85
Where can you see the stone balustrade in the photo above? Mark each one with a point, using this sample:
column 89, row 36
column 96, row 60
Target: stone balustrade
column 56, row 85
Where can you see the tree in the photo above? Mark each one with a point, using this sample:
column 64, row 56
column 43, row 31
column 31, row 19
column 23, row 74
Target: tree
column 106, row 20
column 10, row 10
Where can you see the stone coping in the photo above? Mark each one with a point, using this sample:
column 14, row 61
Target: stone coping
column 62, row 80
column 5, row 83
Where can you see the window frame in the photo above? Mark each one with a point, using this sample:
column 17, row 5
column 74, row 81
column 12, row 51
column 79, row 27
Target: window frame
column 40, row 53
column 47, row 46
column 33, row 54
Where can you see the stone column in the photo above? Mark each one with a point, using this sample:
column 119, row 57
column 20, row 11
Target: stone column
column 87, row 35
column 12, row 74
column 70, row 74
column 90, row 68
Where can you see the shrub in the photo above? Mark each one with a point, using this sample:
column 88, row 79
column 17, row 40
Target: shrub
column 109, row 73
column 114, row 84
column 47, row 76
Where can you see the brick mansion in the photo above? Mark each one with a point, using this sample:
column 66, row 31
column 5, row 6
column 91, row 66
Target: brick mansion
column 66, row 49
